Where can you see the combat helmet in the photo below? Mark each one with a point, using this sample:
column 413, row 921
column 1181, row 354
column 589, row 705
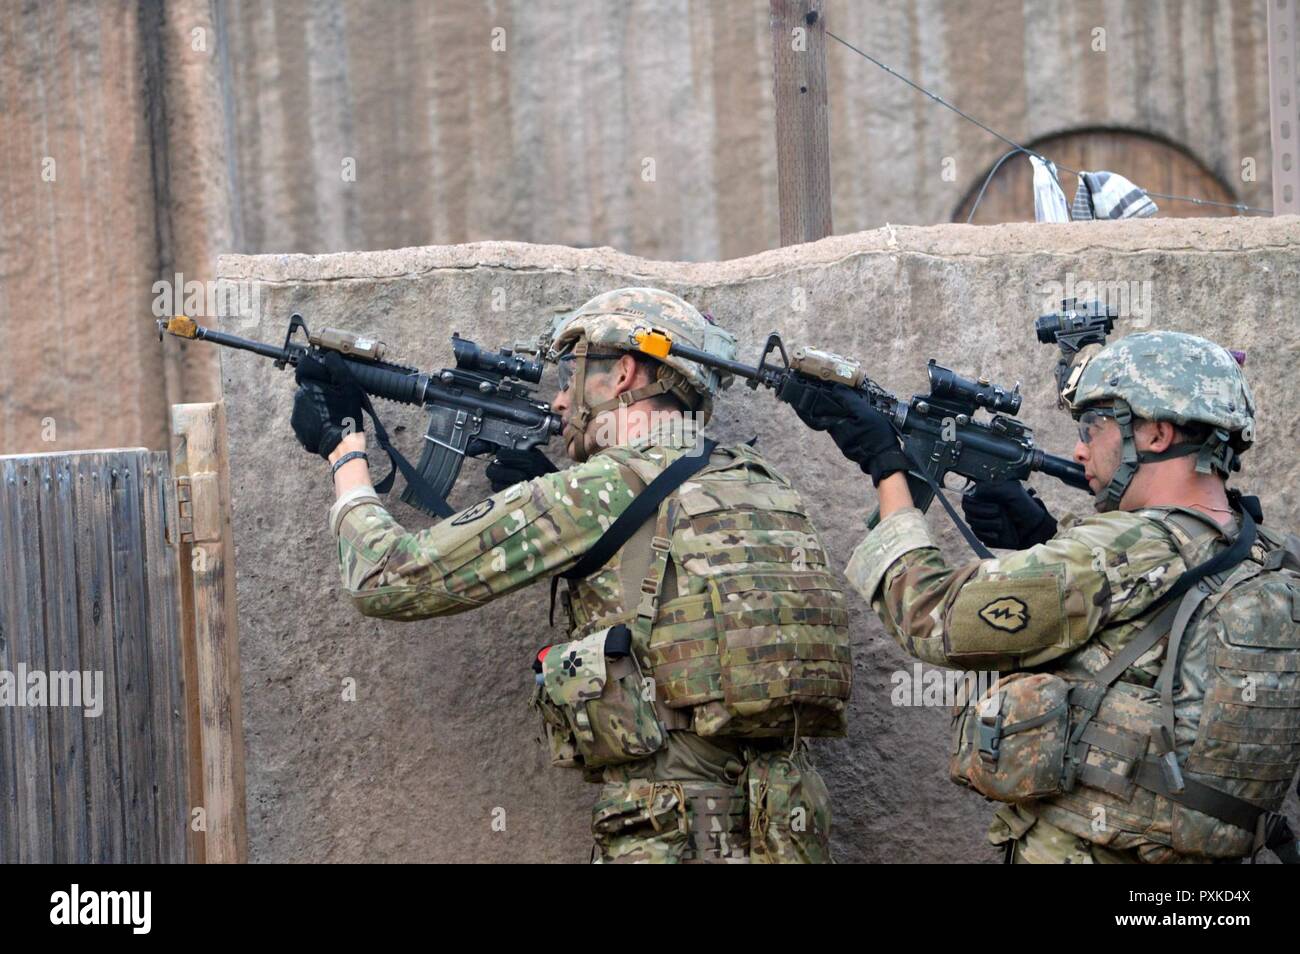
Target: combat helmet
column 606, row 326
column 1174, row 377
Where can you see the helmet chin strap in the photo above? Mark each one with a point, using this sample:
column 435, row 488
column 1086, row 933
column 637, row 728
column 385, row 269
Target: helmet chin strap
column 1215, row 453
column 580, row 416
column 1108, row 498
column 666, row 379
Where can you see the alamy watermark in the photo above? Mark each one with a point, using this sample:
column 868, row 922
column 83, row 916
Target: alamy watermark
column 1130, row 300
column 938, row 687
column 129, row 908
column 25, row 687
column 207, row 299
column 680, row 428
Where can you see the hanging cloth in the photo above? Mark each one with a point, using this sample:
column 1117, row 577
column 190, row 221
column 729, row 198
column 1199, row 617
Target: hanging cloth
column 1108, row 195
column 1049, row 200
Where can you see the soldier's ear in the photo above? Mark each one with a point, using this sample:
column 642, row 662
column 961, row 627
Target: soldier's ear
column 1161, row 435
column 625, row 375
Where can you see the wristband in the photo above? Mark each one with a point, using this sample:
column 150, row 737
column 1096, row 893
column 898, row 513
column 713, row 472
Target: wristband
column 350, row 455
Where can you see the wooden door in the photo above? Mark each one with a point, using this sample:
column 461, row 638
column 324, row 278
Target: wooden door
column 1152, row 164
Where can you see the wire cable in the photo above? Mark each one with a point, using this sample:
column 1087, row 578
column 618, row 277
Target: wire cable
column 1017, row 147
column 989, row 178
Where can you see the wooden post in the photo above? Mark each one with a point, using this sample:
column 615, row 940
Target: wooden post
column 803, row 157
column 1284, row 104
column 209, row 629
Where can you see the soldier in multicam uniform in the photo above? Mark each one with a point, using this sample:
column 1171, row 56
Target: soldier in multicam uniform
column 701, row 654
column 1149, row 709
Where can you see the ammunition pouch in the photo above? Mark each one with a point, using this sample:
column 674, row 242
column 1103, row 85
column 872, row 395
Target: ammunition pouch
column 1011, row 744
column 789, row 810
column 777, row 813
column 681, row 822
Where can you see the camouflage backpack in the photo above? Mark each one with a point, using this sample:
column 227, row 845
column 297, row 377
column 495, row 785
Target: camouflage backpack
column 1202, row 760
column 734, row 624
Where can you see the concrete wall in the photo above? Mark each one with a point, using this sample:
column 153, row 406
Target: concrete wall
column 187, row 128
column 440, row 736
column 544, row 140
column 112, row 150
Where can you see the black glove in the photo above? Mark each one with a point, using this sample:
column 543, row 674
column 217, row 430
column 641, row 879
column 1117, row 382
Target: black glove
column 327, row 406
column 863, row 434
column 509, row 467
column 1007, row 515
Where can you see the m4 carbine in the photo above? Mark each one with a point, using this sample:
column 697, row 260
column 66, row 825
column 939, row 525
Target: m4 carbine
column 939, row 431
column 485, row 399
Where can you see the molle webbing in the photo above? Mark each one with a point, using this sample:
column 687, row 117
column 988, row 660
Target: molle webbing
column 1150, row 755
column 717, row 819
column 1173, row 611
column 766, row 641
column 735, row 613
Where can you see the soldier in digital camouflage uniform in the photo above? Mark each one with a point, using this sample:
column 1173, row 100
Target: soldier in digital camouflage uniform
column 1097, row 756
column 738, row 631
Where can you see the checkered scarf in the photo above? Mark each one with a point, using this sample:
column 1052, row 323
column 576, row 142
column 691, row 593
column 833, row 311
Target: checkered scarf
column 1108, row 195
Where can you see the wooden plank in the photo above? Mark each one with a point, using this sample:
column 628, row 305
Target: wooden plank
column 31, row 723
column 803, row 154
column 207, row 568
column 67, row 717
column 88, row 586
column 9, row 577
column 165, row 664
column 94, row 557
column 130, row 642
column 189, row 673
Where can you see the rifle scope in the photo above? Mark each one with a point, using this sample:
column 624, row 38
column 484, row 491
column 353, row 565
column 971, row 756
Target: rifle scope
column 470, row 357
column 949, row 386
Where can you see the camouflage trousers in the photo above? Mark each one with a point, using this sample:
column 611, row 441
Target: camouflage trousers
column 1029, row 840
column 713, row 801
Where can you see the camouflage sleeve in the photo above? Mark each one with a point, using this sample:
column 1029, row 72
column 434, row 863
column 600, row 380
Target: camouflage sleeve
column 533, row 529
column 1021, row 610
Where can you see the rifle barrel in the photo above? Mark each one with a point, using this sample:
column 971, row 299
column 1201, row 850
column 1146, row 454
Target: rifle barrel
column 747, row 371
column 1066, row 471
column 246, row 344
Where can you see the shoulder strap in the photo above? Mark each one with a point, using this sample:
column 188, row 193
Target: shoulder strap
column 1221, row 562
column 642, row 508
column 1154, row 631
column 636, row 556
column 1165, row 608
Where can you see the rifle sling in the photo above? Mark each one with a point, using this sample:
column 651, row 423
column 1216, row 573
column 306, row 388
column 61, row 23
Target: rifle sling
column 428, row 498
column 981, row 551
